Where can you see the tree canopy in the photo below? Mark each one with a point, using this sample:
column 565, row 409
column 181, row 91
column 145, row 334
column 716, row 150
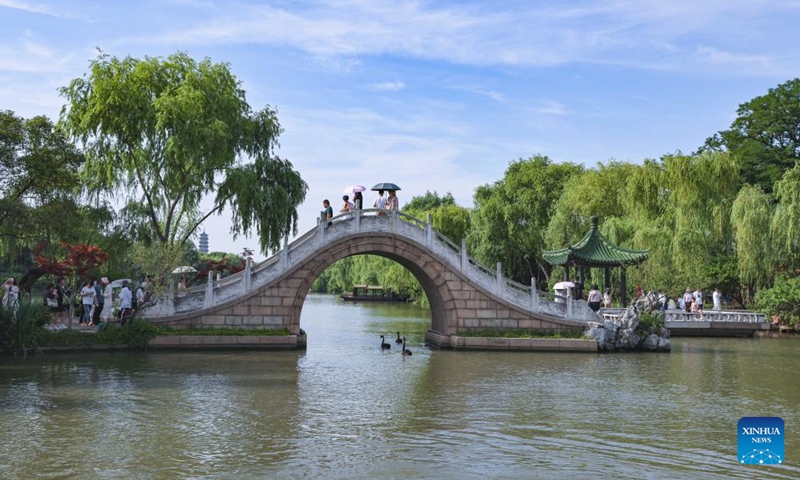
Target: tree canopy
column 765, row 136
column 511, row 215
column 38, row 167
column 162, row 133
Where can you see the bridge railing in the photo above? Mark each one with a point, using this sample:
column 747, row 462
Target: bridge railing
column 737, row 316
column 732, row 316
column 345, row 224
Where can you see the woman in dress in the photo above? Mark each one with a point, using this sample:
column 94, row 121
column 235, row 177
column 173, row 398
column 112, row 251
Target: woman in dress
column 607, row 299
column 10, row 293
column 108, row 302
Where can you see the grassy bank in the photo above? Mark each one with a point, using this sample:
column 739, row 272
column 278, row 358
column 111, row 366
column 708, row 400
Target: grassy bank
column 522, row 333
column 137, row 334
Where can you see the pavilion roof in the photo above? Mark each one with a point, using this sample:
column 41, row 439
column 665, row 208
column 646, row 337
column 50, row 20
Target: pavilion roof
column 594, row 250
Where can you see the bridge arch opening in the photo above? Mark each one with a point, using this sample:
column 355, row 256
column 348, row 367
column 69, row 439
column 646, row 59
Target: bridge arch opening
column 427, row 270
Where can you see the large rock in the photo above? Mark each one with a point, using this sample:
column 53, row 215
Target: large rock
column 598, row 332
column 621, row 334
column 651, row 342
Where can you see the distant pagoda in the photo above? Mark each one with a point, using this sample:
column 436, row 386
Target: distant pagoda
column 203, row 245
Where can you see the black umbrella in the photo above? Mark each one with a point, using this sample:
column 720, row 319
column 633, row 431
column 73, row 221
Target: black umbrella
column 385, row 186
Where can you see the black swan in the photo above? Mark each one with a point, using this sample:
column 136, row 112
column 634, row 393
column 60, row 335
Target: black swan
column 406, row 352
column 399, row 340
column 384, row 345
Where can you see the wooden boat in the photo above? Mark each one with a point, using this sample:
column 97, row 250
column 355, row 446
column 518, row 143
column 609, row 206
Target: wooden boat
column 372, row 293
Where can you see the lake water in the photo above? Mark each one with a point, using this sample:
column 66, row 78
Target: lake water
column 346, row 409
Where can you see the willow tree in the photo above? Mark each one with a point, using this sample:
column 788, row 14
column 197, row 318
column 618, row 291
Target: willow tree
column 162, row 134
column 510, row 217
column 701, row 190
column 750, row 217
column 786, row 221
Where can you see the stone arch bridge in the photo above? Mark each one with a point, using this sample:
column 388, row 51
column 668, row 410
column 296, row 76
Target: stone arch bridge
column 463, row 293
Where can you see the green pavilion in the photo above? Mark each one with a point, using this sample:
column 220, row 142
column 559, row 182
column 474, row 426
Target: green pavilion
column 594, row 250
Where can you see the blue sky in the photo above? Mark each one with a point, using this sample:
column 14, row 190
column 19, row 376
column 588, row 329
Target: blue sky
column 433, row 95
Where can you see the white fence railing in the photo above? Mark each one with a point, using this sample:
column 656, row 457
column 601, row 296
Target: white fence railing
column 732, row 316
column 356, row 222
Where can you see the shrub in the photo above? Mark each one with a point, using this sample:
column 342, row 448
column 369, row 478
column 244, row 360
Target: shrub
column 650, row 323
column 522, row 333
column 782, row 300
column 21, row 328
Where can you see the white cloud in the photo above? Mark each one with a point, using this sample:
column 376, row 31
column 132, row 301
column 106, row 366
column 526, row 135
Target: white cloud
column 620, row 32
column 39, row 8
column 389, row 86
column 550, row 107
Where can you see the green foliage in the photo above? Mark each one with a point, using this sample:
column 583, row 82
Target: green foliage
column 20, row 328
column 512, row 215
column 448, row 218
column 782, row 300
column 38, row 176
column 522, row 333
column 650, row 323
column 786, row 220
column 157, row 260
column 678, row 208
column 137, row 334
column 240, row 332
column 750, row 216
column 164, row 133
column 764, row 135
column 428, row 201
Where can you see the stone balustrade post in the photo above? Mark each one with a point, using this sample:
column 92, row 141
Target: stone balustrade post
column 498, row 286
column 321, row 231
column 285, row 254
column 248, row 272
column 464, row 257
column 569, row 303
column 357, row 219
column 534, row 296
column 209, row 300
column 429, row 231
column 395, row 220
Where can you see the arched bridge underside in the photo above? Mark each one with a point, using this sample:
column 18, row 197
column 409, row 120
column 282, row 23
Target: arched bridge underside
column 463, row 294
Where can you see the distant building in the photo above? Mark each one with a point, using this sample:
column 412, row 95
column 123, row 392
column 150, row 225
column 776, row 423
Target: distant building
column 203, row 245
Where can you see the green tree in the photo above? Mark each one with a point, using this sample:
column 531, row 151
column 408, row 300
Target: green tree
column 163, row 133
column 510, row 217
column 38, row 171
column 751, row 216
column 786, row 220
column 450, row 219
column 765, row 136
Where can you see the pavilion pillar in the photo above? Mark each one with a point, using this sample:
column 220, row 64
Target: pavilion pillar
column 581, row 278
column 623, row 277
column 566, row 273
column 607, row 278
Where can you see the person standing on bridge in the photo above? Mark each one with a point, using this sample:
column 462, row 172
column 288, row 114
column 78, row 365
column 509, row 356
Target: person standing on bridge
column 380, row 202
column 717, row 299
column 358, row 201
column 347, row 207
column 327, row 211
column 392, row 203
